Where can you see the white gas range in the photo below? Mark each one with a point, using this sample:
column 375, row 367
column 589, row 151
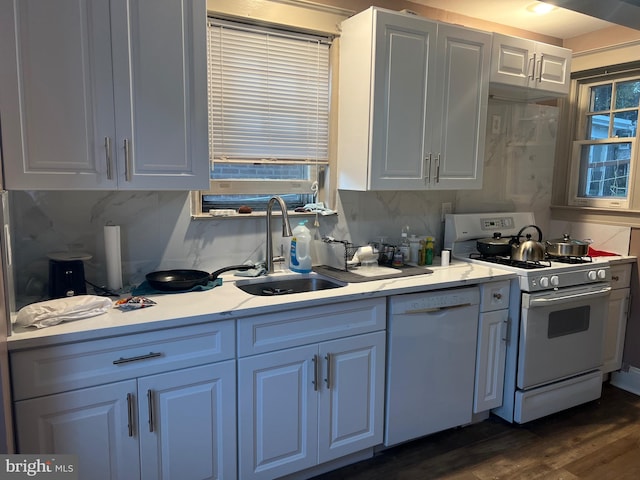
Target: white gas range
column 557, row 316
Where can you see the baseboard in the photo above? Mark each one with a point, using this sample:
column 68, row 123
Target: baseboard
column 629, row 380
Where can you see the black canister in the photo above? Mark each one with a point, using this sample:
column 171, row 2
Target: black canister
column 66, row 278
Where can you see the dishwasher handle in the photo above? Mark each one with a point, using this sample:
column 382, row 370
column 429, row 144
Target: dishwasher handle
column 434, row 309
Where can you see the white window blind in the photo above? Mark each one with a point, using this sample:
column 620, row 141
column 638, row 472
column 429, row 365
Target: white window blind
column 268, row 95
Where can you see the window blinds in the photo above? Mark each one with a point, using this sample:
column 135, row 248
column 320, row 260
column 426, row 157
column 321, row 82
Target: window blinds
column 268, row 94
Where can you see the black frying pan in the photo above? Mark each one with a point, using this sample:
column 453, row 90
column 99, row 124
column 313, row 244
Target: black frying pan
column 173, row 280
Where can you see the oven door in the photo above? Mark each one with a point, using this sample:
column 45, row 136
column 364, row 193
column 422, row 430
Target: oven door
column 561, row 333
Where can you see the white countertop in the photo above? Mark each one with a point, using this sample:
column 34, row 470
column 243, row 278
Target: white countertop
column 229, row 302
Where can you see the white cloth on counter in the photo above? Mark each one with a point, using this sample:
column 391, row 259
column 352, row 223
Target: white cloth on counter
column 52, row 312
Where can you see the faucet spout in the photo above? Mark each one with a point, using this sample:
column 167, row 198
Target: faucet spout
column 286, row 229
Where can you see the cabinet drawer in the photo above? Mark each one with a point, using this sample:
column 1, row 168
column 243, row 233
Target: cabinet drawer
column 621, row 275
column 265, row 333
column 66, row 367
column 494, row 296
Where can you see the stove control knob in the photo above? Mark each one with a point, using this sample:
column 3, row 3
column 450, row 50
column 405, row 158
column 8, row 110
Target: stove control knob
column 592, row 275
column 555, row 281
column 544, row 282
column 602, row 274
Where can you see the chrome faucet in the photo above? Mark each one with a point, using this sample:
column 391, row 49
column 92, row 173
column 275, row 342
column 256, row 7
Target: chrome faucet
column 286, row 229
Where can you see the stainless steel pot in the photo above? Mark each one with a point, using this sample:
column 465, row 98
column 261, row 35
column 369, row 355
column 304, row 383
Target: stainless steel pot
column 494, row 246
column 567, row 247
column 528, row 250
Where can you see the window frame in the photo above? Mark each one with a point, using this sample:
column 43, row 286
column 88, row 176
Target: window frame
column 318, row 168
column 581, row 118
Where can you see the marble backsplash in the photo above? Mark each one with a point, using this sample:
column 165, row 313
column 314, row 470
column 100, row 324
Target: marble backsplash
column 157, row 231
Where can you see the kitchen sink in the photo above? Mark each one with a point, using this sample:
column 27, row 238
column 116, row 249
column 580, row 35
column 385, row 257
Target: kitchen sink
column 269, row 286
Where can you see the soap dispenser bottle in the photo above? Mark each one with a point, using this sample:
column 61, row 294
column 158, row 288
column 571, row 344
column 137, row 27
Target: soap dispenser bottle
column 301, row 249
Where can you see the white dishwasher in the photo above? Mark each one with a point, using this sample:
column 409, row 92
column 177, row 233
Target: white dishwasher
column 431, row 354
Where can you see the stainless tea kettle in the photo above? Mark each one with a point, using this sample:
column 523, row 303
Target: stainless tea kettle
column 528, row 250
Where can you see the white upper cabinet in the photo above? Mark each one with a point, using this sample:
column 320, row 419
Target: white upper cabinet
column 101, row 94
column 528, row 69
column 413, row 96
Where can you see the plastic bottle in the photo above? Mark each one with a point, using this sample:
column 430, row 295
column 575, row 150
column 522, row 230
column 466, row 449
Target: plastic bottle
column 405, row 248
column 428, row 251
column 414, row 249
column 301, row 249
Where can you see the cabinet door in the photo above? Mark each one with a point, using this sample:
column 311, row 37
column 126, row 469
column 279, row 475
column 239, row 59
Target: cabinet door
column 95, row 424
column 513, row 60
column 403, row 89
column 490, row 360
column 464, row 58
column 56, row 94
column 159, row 62
column 351, row 410
column 277, row 413
column 553, row 69
column 187, row 423
column 615, row 329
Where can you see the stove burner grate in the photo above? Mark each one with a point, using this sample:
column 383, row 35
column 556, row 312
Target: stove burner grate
column 510, row 262
column 570, row 259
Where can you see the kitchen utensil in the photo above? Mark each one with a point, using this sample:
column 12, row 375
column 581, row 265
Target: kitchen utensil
column 567, row 247
column 172, row 280
column 495, row 246
column 528, row 250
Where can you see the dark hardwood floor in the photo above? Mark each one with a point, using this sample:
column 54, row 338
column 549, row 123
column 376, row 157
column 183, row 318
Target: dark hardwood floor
column 598, row 440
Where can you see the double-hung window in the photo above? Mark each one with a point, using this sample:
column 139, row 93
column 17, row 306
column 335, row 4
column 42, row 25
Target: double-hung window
column 268, row 94
column 605, row 151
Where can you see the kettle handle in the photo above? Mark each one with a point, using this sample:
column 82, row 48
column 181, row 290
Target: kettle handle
column 530, row 226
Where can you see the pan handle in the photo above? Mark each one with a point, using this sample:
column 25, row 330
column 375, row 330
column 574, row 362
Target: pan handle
column 215, row 274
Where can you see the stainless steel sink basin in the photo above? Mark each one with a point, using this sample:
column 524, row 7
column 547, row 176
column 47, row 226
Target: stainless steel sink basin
column 269, row 286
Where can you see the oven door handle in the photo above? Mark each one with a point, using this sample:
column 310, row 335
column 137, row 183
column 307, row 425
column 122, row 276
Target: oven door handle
column 543, row 302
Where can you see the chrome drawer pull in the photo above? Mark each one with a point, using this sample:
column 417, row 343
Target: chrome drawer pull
column 122, row 360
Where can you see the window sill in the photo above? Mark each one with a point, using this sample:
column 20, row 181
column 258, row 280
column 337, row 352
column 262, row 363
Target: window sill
column 262, row 214
column 607, row 216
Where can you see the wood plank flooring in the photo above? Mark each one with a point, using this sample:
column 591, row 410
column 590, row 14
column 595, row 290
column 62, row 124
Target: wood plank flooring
column 599, row 440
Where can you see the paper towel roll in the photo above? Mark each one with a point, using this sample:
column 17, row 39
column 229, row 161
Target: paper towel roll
column 113, row 256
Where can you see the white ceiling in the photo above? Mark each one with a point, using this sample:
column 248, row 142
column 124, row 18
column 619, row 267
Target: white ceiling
column 559, row 23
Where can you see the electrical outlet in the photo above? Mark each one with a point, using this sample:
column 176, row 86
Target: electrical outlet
column 446, row 208
column 495, row 124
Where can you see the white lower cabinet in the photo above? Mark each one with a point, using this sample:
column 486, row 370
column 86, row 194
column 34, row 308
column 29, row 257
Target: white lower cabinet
column 172, row 425
column 492, row 347
column 616, row 325
column 303, row 406
column 178, row 423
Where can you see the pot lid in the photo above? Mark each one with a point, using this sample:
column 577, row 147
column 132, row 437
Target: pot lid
column 497, row 239
column 567, row 240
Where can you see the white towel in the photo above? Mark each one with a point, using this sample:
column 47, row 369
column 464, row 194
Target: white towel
column 52, row 312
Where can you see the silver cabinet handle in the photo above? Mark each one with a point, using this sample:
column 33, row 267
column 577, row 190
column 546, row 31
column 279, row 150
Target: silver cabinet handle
column 532, row 67
column 329, row 380
column 122, row 360
column 506, row 327
column 438, row 169
column 130, row 413
column 150, row 406
column 127, row 160
column 427, row 168
column 107, row 149
column 316, row 373
column 540, row 68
